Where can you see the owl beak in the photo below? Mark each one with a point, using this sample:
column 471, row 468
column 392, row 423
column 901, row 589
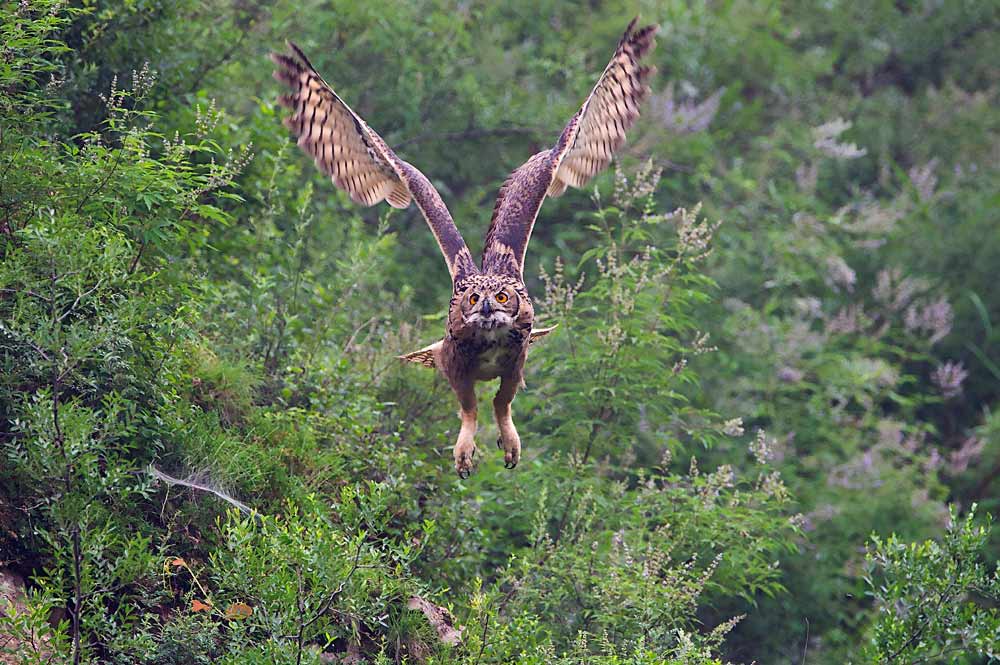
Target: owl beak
column 485, row 310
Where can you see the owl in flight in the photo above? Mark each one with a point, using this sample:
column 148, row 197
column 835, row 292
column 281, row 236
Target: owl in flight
column 490, row 315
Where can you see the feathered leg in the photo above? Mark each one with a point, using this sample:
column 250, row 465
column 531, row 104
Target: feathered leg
column 465, row 448
column 508, row 440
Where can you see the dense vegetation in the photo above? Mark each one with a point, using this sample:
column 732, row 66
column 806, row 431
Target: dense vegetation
column 769, row 438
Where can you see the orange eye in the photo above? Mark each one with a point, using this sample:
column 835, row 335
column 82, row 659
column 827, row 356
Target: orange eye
column 474, row 298
column 501, row 297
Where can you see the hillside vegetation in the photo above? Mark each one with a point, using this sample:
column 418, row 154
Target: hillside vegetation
column 765, row 429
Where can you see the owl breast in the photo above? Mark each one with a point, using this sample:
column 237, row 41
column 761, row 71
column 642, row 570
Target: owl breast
column 491, row 352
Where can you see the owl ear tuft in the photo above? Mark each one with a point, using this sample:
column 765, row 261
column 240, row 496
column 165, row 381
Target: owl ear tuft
column 424, row 356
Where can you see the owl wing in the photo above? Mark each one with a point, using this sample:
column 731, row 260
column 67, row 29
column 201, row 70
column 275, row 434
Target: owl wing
column 357, row 159
column 583, row 150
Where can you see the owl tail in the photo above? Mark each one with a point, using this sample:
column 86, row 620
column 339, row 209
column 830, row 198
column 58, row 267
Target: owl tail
column 425, row 356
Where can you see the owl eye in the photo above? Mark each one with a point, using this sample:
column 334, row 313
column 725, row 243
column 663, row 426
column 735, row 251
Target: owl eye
column 501, row 297
column 474, row 298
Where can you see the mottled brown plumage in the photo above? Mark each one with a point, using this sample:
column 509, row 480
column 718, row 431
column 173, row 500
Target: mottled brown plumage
column 490, row 317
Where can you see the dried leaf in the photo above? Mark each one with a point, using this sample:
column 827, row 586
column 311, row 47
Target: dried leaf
column 198, row 606
column 439, row 618
column 238, row 611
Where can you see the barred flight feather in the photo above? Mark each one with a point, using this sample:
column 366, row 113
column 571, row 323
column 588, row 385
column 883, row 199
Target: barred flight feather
column 356, row 158
column 585, row 148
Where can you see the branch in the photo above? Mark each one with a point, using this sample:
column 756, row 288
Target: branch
column 340, row 589
column 77, row 301
column 101, row 185
column 482, row 640
column 77, row 591
column 946, row 595
column 28, row 292
column 223, row 59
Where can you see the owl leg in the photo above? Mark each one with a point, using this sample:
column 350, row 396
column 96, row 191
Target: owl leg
column 465, row 447
column 509, row 440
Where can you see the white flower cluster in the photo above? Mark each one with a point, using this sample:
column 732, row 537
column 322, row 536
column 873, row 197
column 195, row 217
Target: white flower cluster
column 694, row 234
column 762, row 447
column 733, row 427
column 825, row 139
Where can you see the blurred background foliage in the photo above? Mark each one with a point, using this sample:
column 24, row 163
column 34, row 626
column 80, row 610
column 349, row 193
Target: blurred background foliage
column 742, row 443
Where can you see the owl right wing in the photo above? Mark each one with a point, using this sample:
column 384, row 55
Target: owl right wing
column 583, row 150
column 358, row 160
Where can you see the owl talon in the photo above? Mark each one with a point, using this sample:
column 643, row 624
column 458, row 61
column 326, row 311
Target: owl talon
column 510, row 442
column 464, row 455
column 512, row 455
column 464, row 467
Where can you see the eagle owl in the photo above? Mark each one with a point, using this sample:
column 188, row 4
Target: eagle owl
column 490, row 316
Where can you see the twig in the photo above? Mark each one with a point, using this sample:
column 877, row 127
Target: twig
column 357, row 331
column 482, row 640
column 134, row 263
column 77, row 301
column 340, row 589
column 223, row 59
column 805, row 645
column 302, row 611
column 28, row 292
column 102, row 184
column 77, row 592
column 923, row 626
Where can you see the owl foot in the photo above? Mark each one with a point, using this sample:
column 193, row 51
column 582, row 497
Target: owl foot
column 465, row 452
column 511, row 446
column 511, row 457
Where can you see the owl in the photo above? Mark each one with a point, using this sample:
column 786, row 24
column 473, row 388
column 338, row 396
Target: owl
column 490, row 317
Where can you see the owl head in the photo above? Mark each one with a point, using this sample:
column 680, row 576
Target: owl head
column 488, row 301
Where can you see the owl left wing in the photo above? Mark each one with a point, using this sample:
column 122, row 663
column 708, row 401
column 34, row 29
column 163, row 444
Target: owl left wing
column 356, row 158
column 583, row 150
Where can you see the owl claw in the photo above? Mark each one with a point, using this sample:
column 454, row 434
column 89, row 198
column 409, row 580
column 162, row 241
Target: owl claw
column 464, row 468
column 464, row 454
column 512, row 455
column 511, row 446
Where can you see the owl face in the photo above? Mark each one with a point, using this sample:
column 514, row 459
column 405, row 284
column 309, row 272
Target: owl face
column 489, row 303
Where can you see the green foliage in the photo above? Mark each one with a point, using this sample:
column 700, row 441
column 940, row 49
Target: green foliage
column 936, row 600
column 210, row 452
column 628, row 331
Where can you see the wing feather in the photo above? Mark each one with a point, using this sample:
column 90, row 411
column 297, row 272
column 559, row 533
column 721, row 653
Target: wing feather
column 356, row 158
column 584, row 149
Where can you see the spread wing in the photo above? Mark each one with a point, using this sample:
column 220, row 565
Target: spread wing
column 584, row 149
column 358, row 160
